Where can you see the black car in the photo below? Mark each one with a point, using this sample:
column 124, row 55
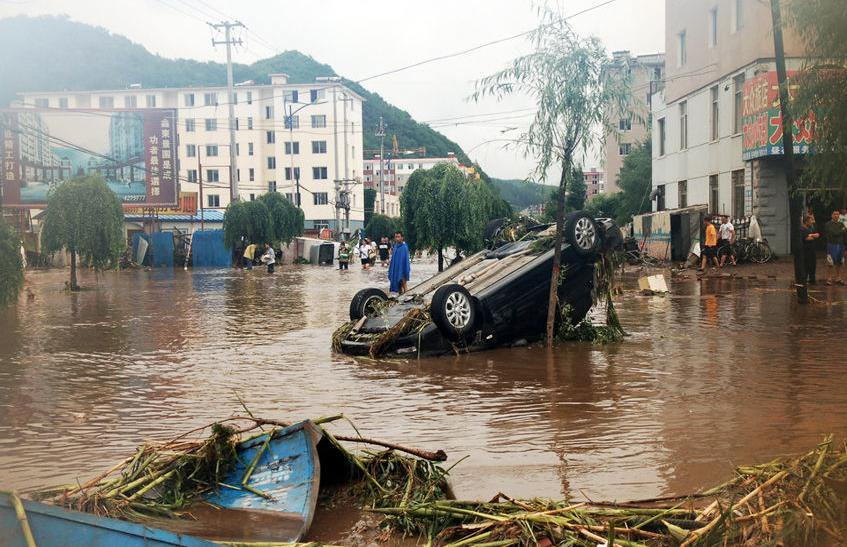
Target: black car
column 495, row 297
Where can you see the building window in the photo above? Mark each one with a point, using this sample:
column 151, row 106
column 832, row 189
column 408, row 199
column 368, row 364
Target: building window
column 738, row 123
column 211, row 150
column 319, row 173
column 660, row 197
column 292, row 148
column 151, row 101
column 252, row 197
column 713, row 27
column 662, row 137
column 249, row 122
column 290, row 197
column 683, row 125
column 623, row 149
column 320, row 198
column 211, row 124
column 210, row 99
column 271, row 162
column 682, row 193
column 714, row 117
column 318, row 121
column 292, row 122
column 682, row 49
column 252, row 174
column 316, row 95
column 738, row 15
column 318, row 147
column 188, row 99
column 738, row 194
column 238, row 175
column 213, row 200
column 249, row 148
column 271, row 137
column 130, row 101
column 192, row 175
column 191, row 150
column 249, row 97
column 107, row 102
column 213, row 175
column 63, row 102
column 625, row 124
column 288, row 173
column 290, row 96
column 271, row 186
column 189, row 125
column 237, row 149
column 714, row 194
column 269, row 112
column 45, row 103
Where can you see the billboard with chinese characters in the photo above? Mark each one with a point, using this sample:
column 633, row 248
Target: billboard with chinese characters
column 762, row 119
column 133, row 150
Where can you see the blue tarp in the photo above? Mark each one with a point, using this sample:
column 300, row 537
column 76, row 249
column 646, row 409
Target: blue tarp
column 208, row 250
column 160, row 251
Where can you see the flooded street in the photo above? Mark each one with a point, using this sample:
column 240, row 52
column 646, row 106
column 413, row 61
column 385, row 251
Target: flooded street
column 717, row 374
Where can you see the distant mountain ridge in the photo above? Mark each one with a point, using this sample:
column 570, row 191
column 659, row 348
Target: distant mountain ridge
column 72, row 56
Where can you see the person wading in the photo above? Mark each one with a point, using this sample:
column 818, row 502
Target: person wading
column 400, row 267
column 269, row 257
column 835, row 234
column 809, row 231
column 384, row 248
column 249, row 254
column 343, row 257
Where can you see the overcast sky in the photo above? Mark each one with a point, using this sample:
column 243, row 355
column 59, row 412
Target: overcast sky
column 361, row 38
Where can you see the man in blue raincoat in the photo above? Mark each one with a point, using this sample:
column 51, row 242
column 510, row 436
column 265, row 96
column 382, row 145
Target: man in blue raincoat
column 400, row 267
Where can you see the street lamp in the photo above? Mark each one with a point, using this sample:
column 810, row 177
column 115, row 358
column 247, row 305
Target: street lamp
column 290, row 119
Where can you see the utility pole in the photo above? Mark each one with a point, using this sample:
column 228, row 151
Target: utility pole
column 794, row 207
column 380, row 132
column 294, row 174
column 229, row 42
column 200, row 181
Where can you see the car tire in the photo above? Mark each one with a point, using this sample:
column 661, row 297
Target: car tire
column 583, row 234
column 363, row 302
column 454, row 312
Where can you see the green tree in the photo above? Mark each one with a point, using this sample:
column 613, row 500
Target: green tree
column 286, row 220
column 577, row 191
column 85, row 217
column 635, row 183
column 247, row 222
column 382, row 225
column 410, row 201
column 574, row 84
column 370, row 200
column 11, row 265
column 822, row 24
column 605, row 205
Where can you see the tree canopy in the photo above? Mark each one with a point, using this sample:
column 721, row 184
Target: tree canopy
column 269, row 219
column 520, row 194
column 382, row 225
column 85, row 217
column 286, row 220
column 11, row 265
column 635, row 182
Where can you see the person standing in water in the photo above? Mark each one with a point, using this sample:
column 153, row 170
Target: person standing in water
column 384, row 248
column 400, row 268
column 269, row 257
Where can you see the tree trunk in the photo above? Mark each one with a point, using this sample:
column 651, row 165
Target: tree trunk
column 440, row 259
column 74, row 286
column 553, row 302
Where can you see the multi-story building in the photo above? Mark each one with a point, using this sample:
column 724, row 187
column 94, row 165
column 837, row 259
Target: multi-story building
column 594, row 183
column 706, row 120
column 398, row 171
column 646, row 75
column 319, row 146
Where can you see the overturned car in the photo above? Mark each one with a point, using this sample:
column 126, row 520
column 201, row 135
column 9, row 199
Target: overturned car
column 496, row 297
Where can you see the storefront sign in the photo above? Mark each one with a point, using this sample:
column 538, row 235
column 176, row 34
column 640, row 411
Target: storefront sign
column 762, row 119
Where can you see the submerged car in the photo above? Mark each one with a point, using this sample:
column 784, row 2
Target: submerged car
column 496, row 297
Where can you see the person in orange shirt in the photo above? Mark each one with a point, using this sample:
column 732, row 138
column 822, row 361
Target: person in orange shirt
column 710, row 248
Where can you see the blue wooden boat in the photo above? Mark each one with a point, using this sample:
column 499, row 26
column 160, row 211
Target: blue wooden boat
column 277, row 505
column 53, row 526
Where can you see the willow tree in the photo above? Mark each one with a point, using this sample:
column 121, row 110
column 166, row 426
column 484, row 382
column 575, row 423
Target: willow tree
column 11, row 265
column 574, row 85
column 286, row 219
column 247, row 221
column 86, row 218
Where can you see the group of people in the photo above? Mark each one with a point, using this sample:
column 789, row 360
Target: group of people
column 396, row 257
column 268, row 257
column 834, row 234
column 719, row 244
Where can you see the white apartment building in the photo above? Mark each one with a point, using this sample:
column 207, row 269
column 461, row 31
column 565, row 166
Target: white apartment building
column 700, row 118
column 398, row 170
column 322, row 146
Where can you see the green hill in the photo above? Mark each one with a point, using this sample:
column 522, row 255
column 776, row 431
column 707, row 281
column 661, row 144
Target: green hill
column 521, row 194
column 55, row 53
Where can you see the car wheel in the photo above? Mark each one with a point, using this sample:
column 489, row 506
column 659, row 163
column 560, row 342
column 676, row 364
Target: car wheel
column 454, row 312
column 582, row 233
column 366, row 302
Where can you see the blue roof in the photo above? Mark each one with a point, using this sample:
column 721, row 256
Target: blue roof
column 209, row 215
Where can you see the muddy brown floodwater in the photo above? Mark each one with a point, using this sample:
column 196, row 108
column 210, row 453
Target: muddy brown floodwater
column 719, row 373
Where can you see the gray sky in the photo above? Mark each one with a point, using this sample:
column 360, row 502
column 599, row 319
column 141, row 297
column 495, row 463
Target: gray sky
column 360, row 38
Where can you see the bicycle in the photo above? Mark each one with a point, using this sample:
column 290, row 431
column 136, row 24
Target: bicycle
column 749, row 250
